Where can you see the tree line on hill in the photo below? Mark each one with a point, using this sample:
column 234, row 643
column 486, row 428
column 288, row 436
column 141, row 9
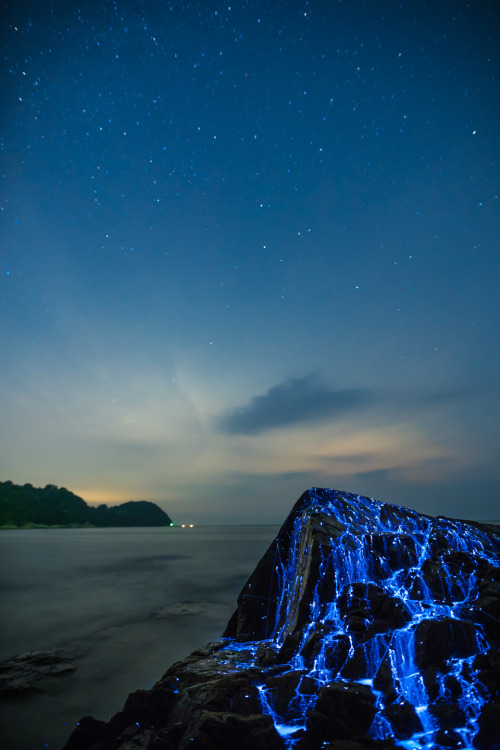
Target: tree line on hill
column 28, row 506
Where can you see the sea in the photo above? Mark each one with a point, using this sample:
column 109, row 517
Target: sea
column 121, row 606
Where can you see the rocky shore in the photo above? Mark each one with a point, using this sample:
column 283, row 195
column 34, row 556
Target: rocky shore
column 365, row 625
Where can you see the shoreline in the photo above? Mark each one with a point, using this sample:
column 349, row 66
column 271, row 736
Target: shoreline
column 30, row 526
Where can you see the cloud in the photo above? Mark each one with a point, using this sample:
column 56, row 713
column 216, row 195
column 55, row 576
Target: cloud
column 291, row 402
column 432, row 398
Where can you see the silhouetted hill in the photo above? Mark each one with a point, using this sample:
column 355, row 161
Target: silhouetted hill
column 134, row 513
column 52, row 506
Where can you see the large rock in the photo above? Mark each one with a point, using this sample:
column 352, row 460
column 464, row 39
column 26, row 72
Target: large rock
column 364, row 625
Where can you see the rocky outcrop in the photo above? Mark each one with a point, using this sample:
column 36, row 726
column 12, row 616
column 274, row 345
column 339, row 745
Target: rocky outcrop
column 27, row 672
column 365, row 625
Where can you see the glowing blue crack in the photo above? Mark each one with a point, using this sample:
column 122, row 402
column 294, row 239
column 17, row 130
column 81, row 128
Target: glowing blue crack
column 349, row 562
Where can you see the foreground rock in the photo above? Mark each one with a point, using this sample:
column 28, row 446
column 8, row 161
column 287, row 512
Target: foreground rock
column 365, row 625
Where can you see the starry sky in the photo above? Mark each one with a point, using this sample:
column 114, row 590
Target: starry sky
column 251, row 247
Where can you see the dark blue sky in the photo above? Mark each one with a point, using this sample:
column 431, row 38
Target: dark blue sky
column 252, row 247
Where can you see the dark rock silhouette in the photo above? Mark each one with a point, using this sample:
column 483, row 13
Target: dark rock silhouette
column 365, row 625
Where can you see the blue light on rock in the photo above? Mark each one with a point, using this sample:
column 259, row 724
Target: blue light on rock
column 375, row 606
column 365, row 626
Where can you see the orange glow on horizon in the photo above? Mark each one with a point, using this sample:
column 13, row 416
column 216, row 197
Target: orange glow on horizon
column 102, row 497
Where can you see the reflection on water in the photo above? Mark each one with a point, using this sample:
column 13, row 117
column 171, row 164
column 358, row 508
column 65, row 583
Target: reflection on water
column 100, row 589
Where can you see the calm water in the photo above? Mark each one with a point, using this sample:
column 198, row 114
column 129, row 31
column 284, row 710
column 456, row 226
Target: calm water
column 110, row 595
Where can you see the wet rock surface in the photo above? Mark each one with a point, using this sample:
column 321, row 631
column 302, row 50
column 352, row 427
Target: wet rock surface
column 28, row 672
column 365, row 625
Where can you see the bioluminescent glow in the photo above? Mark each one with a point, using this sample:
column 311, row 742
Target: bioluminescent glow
column 380, row 597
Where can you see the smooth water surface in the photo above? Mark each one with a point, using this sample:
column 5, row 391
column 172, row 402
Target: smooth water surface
column 108, row 593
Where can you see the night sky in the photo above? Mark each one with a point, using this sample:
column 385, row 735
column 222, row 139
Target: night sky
column 251, row 247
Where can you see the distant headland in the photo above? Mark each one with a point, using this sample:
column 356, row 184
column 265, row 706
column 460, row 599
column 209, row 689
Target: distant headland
column 25, row 506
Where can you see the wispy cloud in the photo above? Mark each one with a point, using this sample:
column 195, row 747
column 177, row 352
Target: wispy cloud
column 292, row 402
